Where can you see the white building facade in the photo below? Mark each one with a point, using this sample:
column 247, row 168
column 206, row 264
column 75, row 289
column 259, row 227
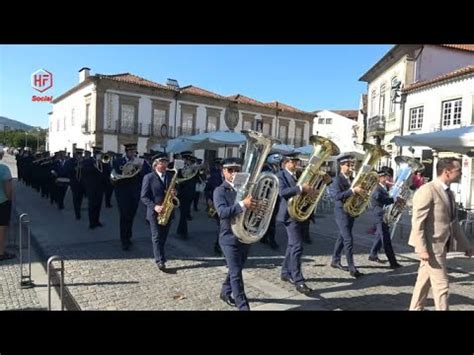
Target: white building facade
column 338, row 128
column 112, row 110
column 402, row 66
column 445, row 102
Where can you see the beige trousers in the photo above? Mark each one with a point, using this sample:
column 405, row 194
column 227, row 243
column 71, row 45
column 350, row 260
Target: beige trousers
column 431, row 273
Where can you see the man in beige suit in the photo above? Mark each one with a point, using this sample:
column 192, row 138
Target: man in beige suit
column 435, row 229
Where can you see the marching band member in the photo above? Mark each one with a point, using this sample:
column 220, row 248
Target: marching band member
column 291, row 267
column 73, row 171
column 379, row 199
column 272, row 166
column 93, row 181
column 153, row 192
column 235, row 252
column 214, row 180
column 127, row 193
column 109, row 188
column 341, row 190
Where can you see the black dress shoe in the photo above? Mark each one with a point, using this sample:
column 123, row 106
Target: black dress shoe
column 303, row 289
column 227, row 299
column 287, row 279
column 376, row 260
column 162, row 266
column 395, row 266
column 356, row 273
column 339, row 266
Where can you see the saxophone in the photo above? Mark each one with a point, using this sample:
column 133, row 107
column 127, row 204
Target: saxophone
column 406, row 168
column 301, row 207
column 170, row 201
column 366, row 178
column 250, row 226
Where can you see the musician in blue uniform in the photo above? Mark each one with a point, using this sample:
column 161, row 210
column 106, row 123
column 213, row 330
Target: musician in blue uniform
column 341, row 190
column 93, row 182
column 291, row 267
column 60, row 185
column 73, row 170
column 379, row 199
column 214, row 180
column 235, row 252
column 109, row 188
column 186, row 190
column 272, row 166
column 127, row 192
column 153, row 192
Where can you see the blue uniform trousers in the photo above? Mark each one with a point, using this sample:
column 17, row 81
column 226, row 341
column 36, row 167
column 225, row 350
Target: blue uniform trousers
column 128, row 206
column 291, row 266
column 235, row 256
column 382, row 238
column 159, row 234
column 344, row 241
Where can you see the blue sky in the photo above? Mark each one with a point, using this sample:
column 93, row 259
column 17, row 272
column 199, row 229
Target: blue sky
column 308, row 77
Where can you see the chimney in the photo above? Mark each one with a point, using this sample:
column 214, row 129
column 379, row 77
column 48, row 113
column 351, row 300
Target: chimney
column 84, row 74
column 172, row 83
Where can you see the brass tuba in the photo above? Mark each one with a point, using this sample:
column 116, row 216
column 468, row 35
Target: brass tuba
column 250, row 226
column 301, row 207
column 170, row 201
column 366, row 178
column 406, row 168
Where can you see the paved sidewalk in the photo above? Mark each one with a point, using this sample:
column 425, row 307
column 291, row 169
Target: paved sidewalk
column 100, row 276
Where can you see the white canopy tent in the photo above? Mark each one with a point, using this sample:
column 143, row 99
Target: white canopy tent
column 457, row 140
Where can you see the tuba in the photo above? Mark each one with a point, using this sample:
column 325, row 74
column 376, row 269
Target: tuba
column 170, row 201
column 366, row 178
column 129, row 170
column 250, row 226
column 302, row 206
column 401, row 188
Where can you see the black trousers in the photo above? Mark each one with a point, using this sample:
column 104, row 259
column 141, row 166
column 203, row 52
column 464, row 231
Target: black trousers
column 159, row 234
column 128, row 206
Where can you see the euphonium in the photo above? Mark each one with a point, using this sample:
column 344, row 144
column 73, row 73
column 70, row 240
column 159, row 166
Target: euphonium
column 301, row 207
column 250, row 226
column 401, row 188
column 129, row 170
column 366, row 178
column 170, row 201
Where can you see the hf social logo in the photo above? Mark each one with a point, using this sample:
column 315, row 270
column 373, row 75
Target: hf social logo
column 41, row 80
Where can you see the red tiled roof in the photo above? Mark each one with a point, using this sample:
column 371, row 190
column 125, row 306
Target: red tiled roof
column 133, row 79
column 464, row 47
column 190, row 89
column 352, row 114
column 246, row 100
column 454, row 74
column 276, row 104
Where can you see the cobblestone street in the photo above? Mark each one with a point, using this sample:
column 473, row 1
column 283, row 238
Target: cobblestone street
column 100, row 276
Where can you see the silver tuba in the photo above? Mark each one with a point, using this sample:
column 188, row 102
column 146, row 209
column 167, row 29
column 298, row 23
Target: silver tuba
column 250, row 226
column 401, row 188
column 129, row 170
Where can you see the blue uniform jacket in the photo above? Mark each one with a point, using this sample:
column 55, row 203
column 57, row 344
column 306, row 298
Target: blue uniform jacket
column 153, row 193
column 340, row 191
column 226, row 207
column 288, row 189
column 378, row 200
column 214, row 180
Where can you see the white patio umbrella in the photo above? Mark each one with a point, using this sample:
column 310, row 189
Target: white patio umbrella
column 214, row 140
column 176, row 145
column 457, row 140
column 282, row 148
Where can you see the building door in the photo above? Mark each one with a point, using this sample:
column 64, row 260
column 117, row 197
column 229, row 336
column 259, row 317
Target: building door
column 210, row 156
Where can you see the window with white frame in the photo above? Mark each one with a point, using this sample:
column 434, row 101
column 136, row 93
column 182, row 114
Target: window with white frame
column 88, row 116
column 382, row 101
column 320, row 120
column 64, row 123
column 328, row 120
column 392, row 95
column 373, row 98
column 247, row 124
column 72, row 117
column 267, row 128
column 57, row 124
column 452, row 113
column 283, row 132
column 416, row 118
column 212, row 123
column 188, row 119
column 127, row 121
column 159, row 119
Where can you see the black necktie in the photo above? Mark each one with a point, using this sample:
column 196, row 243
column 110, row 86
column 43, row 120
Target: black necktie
column 451, row 202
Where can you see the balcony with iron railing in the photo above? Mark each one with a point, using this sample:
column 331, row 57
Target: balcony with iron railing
column 85, row 128
column 299, row 142
column 376, row 126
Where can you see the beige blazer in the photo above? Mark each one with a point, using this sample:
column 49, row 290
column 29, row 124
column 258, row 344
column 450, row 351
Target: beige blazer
column 431, row 223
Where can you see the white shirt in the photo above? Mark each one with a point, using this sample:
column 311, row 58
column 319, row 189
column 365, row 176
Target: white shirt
column 294, row 177
column 241, row 203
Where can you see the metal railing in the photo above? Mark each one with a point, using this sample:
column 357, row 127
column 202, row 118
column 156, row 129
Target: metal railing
column 186, row 131
column 376, row 125
column 25, row 279
column 61, row 280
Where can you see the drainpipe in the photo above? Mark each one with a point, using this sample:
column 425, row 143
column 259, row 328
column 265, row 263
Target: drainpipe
column 403, row 98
